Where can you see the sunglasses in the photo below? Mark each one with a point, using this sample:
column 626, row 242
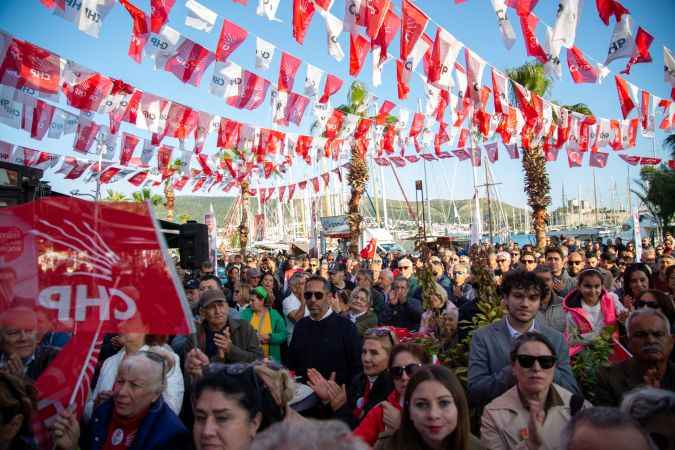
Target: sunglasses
column 527, row 361
column 410, row 369
column 642, row 304
column 406, row 267
column 527, row 261
column 315, row 294
column 379, row 332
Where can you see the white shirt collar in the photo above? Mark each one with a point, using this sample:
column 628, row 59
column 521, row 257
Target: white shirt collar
column 328, row 313
column 513, row 332
column 356, row 316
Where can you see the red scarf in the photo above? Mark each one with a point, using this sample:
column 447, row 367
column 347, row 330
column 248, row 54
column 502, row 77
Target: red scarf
column 122, row 431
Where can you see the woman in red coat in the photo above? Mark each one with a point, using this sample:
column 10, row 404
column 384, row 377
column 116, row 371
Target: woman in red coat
column 384, row 418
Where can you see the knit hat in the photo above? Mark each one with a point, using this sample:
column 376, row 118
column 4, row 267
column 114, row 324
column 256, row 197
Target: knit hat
column 260, row 292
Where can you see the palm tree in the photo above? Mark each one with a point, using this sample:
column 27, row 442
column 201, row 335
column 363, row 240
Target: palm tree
column 146, row 194
column 183, row 218
column 243, row 225
column 114, row 196
column 670, row 143
column 531, row 75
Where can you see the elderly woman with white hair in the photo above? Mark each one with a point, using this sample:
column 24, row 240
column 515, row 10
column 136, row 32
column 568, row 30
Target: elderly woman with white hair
column 654, row 409
column 440, row 315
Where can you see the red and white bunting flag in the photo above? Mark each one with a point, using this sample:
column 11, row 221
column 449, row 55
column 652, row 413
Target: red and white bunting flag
column 303, row 11
column 140, row 30
column 512, row 150
column 295, row 108
column 315, row 184
column 631, row 159
column 160, row 13
column 492, row 150
column 427, row 156
column 443, row 57
column 414, row 22
column 628, row 94
column 6, row 151
column 160, row 47
column 287, row 71
column 376, row 11
column 500, row 90
column 598, row 159
column 574, row 158
column 86, row 15
column 382, row 161
column 646, row 114
column 389, row 28
column 668, row 111
column 355, row 14
column 668, row 67
column 252, row 92
column 313, row 80
column 36, row 68
column 268, row 9
column 475, row 65
column 86, row 133
column 147, row 152
column 199, row 16
column 326, row 178
column 129, row 143
column 109, row 174
column 603, row 133
column 42, row 115
column 231, row 37
column 581, row 70
column 164, row 157
column 334, row 28
column 621, row 44
column 333, row 84
column 648, row 161
column 402, row 80
column 302, row 147
column 462, row 154
column 264, row 53
column 358, row 50
column 226, row 80
column 398, row 161
column 203, row 161
column 552, row 48
column 386, row 107
column 180, row 122
column 505, row 27
column 522, row 7
column 608, row 8
column 138, row 178
column 476, row 158
column 412, row 158
column 643, row 40
column 567, row 19
column 629, row 132
column 85, row 90
column 190, row 62
column 202, row 130
column 550, row 153
column 528, row 25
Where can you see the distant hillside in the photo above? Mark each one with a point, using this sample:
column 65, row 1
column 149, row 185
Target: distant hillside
column 442, row 211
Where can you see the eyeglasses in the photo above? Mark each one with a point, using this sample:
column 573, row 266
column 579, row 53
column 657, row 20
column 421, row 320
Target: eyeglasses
column 380, row 332
column 410, row 369
column 527, row 261
column 316, row 294
column 527, row 361
column 641, row 304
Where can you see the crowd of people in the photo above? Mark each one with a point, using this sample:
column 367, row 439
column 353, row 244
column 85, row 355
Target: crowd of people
column 305, row 353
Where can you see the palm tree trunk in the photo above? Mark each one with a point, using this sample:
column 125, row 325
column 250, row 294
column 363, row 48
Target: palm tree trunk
column 358, row 177
column 169, row 196
column 537, row 187
column 243, row 225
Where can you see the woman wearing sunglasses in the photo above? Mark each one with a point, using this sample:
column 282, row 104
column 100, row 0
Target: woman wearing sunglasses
column 384, row 419
column 656, row 299
column 531, row 414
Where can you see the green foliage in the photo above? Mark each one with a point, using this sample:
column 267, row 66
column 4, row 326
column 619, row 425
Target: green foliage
column 531, row 75
column 657, row 192
column 670, row 143
column 183, row 218
column 114, row 196
column 587, row 362
column 146, row 194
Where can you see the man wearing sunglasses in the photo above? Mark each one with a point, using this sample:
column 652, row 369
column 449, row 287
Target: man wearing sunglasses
column 651, row 343
column 324, row 341
column 490, row 372
column 401, row 310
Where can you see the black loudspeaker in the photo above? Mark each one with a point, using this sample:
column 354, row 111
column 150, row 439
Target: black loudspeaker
column 193, row 244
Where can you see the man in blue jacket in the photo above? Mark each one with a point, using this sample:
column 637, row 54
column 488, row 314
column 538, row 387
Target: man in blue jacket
column 136, row 417
column 489, row 366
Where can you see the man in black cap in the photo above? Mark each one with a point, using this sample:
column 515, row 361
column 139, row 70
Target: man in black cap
column 338, row 282
column 221, row 338
column 192, row 294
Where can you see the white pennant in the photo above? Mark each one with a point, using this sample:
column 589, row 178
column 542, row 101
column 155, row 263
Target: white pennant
column 567, row 19
column 377, row 67
column 353, row 11
column 621, row 44
column 264, row 53
column 604, row 132
column 268, row 8
column 312, row 80
column 226, row 80
column 163, row 45
column 553, row 67
column 668, row 67
column 199, row 16
column 450, row 48
column 87, row 15
column 278, row 102
column 505, row 27
column 418, row 51
column 333, row 30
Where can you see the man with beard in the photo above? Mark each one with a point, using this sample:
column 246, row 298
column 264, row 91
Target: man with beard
column 551, row 312
column 650, row 342
column 490, row 372
column 575, row 264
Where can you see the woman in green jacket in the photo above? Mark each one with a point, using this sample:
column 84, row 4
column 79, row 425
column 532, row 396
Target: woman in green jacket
column 267, row 322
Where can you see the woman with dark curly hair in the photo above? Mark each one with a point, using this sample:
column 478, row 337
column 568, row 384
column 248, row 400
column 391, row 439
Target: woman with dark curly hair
column 636, row 278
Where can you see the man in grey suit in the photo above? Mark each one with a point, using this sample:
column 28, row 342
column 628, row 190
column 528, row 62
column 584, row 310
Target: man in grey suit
column 489, row 366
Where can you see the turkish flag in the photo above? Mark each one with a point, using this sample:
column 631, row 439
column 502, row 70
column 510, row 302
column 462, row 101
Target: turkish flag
column 287, row 70
column 231, row 37
column 627, row 95
column 189, row 62
column 358, row 50
column 303, row 11
column 528, row 23
column 368, row 252
column 160, row 13
column 414, row 22
column 333, row 84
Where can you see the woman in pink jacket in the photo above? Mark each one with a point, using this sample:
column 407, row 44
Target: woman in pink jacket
column 590, row 309
column 384, row 418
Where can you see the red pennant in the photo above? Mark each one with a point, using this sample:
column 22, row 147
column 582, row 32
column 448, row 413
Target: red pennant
column 625, row 96
column 645, row 98
column 334, row 124
column 385, row 109
column 358, row 50
column 412, row 158
column 632, row 160
column 88, row 93
column 37, row 68
column 129, row 142
column 164, row 157
column 160, row 13
column 522, row 7
column 252, row 92
column 461, row 154
column 303, row 11
column 512, row 150
column 376, row 11
column 427, row 156
column 139, row 178
column 598, row 159
column 189, row 62
column 499, row 89
column 108, row 174
column 607, row 8
column 203, row 161
column 574, row 158
column 463, row 136
column 362, row 128
column 581, row 70
column 417, row 124
column 42, row 119
column 228, row 133
column 86, row 133
column 326, row 178
column 199, row 184
column 492, row 150
column 414, row 21
column 333, row 84
column 475, row 156
column 78, row 169
column 398, row 161
column 528, row 23
column 315, row 184
column 647, row 161
column 641, row 52
column 287, row 70
column 387, row 142
column 382, row 161
column 295, row 108
column 402, row 80
column 551, row 154
column 386, row 34
column 231, row 37
column 139, row 30
column 302, row 148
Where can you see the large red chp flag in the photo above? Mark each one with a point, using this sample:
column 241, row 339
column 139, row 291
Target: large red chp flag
column 89, row 269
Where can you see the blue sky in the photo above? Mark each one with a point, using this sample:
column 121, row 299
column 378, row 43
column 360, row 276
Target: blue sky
column 473, row 23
